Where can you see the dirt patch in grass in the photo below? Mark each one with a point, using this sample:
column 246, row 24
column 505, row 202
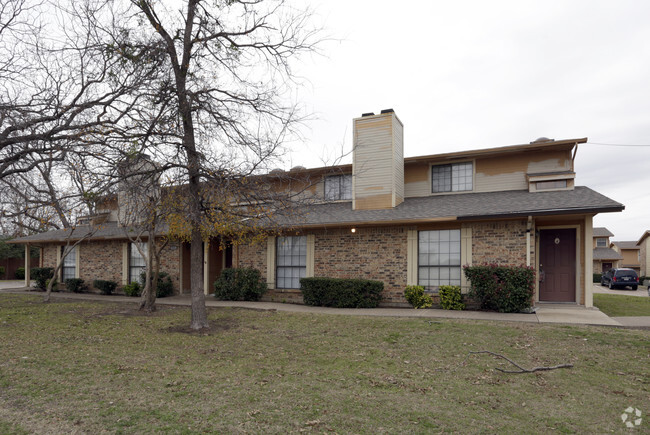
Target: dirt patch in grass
column 216, row 327
column 85, row 367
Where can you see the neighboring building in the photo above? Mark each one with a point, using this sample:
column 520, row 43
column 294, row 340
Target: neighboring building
column 604, row 257
column 630, row 252
column 644, row 254
column 414, row 220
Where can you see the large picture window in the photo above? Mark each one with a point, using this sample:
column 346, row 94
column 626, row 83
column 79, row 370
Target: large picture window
column 439, row 258
column 338, row 187
column 137, row 262
column 69, row 266
column 456, row 177
column 291, row 261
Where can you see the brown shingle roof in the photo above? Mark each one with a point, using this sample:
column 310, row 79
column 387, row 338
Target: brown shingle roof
column 626, row 245
column 489, row 205
column 606, row 254
column 105, row 231
column 469, row 206
column 602, row 232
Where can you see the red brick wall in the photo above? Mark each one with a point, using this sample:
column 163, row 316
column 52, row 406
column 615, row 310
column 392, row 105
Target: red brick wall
column 252, row 255
column 502, row 243
column 49, row 255
column 381, row 254
column 103, row 260
column 100, row 260
column 370, row 253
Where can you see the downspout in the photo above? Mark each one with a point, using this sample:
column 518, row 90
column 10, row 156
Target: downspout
column 528, row 229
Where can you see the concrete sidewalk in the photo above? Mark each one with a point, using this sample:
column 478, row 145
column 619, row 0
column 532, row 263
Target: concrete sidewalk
column 546, row 313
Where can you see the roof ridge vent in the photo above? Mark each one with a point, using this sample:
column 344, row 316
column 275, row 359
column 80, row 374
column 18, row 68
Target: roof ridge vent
column 542, row 140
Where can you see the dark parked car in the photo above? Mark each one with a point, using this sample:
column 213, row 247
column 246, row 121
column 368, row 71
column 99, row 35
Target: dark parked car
column 620, row 278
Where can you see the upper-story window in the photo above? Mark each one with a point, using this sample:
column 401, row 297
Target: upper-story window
column 338, row 187
column 456, row 177
column 601, row 242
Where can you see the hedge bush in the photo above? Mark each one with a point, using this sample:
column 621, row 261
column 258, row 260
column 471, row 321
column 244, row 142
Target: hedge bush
column 75, row 285
column 451, row 297
column 20, row 273
column 42, row 276
column 416, row 296
column 240, row 284
column 106, row 287
column 341, row 293
column 165, row 286
column 597, row 277
column 2, row 272
column 507, row 289
column 133, row 289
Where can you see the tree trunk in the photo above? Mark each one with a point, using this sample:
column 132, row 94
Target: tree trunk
column 48, row 292
column 148, row 298
column 199, row 312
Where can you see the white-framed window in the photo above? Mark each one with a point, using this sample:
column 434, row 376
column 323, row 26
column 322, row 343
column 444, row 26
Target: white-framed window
column 137, row 262
column 338, row 187
column 290, row 261
column 69, row 266
column 439, row 258
column 456, row 177
column 601, row 242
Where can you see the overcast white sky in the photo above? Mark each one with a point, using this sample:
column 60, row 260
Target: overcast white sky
column 466, row 75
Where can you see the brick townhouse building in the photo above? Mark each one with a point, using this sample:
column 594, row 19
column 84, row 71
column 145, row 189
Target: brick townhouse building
column 400, row 220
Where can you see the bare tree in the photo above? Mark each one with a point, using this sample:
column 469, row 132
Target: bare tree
column 62, row 86
column 220, row 109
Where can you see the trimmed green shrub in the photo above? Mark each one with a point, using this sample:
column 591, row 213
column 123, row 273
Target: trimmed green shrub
column 597, row 277
column 507, row 289
column 42, row 276
column 2, row 272
column 451, row 297
column 75, row 285
column 341, row 293
column 240, row 284
column 416, row 296
column 133, row 289
column 106, row 287
column 20, row 273
column 165, row 285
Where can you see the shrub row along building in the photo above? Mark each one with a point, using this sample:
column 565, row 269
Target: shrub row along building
column 402, row 221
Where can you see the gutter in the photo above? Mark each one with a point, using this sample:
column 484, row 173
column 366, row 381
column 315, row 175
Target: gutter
column 561, row 211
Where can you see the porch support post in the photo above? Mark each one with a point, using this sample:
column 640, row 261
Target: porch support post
column 589, row 262
column 528, row 228
column 28, row 263
column 206, row 267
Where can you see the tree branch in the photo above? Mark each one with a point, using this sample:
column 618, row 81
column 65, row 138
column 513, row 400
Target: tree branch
column 521, row 369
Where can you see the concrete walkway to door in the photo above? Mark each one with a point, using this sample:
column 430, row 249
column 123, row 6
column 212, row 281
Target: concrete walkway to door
column 546, row 313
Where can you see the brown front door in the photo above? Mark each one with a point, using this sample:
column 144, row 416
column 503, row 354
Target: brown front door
column 557, row 265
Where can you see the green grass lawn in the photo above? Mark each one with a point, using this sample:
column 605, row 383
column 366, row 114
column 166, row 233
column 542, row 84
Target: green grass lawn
column 622, row 305
column 83, row 367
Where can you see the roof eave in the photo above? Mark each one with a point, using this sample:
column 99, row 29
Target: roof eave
column 550, row 212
